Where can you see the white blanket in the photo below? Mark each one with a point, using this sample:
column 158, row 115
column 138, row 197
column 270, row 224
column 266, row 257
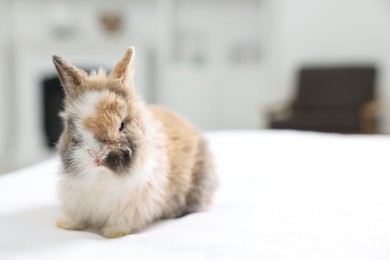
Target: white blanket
column 282, row 195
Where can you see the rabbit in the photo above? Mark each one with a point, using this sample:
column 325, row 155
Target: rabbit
column 125, row 164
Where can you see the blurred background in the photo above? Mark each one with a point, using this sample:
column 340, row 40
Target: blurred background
column 224, row 64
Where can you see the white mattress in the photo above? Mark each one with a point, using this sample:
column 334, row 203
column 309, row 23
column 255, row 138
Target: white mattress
column 282, row 195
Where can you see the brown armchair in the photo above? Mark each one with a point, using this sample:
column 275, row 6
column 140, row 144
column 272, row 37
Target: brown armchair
column 331, row 99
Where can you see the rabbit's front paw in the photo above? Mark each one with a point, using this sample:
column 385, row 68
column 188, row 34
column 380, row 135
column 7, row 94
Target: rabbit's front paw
column 113, row 233
column 65, row 223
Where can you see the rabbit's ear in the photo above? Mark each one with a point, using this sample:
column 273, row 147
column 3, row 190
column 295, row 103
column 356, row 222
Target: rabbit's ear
column 71, row 77
column 124, row 70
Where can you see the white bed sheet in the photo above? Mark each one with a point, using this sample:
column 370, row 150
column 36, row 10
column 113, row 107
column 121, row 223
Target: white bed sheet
column 282, row 195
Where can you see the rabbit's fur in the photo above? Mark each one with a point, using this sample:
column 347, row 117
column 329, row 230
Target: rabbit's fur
column 125, row 164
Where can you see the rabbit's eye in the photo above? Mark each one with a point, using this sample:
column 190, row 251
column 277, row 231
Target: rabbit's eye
column 75, row 140
column 122, row 126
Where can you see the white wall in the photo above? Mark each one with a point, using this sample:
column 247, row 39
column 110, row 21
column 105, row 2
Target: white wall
column 334, row 31
column 4, row 125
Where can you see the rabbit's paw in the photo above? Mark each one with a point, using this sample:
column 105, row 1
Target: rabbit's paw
column 69, row 225
column 113, row 233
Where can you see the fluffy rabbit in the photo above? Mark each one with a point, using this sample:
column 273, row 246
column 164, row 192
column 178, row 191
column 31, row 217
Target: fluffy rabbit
column 125, row 164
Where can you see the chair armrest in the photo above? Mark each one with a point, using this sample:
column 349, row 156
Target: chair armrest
column 369, row 116
column 279, row 110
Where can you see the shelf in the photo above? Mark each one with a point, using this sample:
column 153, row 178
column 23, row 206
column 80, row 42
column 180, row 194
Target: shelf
column 189, row 69
column 238, row 38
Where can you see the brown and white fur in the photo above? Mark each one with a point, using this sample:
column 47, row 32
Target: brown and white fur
column 125, row 164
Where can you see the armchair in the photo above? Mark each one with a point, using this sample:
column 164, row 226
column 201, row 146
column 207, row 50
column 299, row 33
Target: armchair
column 331, row 99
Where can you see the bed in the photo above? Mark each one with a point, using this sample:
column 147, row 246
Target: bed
column 282, row 195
